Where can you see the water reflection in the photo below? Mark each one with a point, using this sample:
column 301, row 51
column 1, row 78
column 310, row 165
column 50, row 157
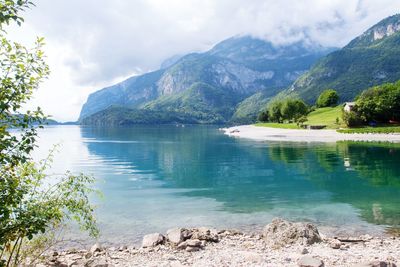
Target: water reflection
column 251, row 177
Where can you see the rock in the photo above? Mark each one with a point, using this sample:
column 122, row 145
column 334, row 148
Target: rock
column 335, row 244
column 176, row 264
column 376, row 264
column 72, row 263
column 190, row 243
column 96, row 248
column 72, row 251
column 250, row 256
column 88, row 255
column 122, row 248
column 178, row 235
column 204, row 233
column 76, row 257
column 102, row 264
column 280, row 233
column 169, row 257
column 366, row 237
column 304, row 251
column 308, row 261
column 152, row 240
column 192, row 249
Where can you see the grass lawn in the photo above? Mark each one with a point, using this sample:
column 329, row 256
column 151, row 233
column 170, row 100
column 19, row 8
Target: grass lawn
column 321, row 116
column 326, row 116
column 278, row 125
column 383, row 129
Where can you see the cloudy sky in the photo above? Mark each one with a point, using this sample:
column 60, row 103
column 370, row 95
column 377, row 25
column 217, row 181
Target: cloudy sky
column 95, row 43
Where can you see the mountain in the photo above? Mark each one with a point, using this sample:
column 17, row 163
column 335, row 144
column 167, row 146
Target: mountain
column 206, row 87
column 372, row 58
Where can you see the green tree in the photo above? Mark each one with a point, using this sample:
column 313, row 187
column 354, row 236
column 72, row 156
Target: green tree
column 351, row 119
column 274, row 111
column 263, row 116
column 293, row 109
column 31, row 202
column 327, row 98
column 379, row 103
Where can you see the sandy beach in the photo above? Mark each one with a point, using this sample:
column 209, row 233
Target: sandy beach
column 295, row 135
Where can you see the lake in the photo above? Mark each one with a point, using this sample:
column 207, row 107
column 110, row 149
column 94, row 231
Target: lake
column 157, row 177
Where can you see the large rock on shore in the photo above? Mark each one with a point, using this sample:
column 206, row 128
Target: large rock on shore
column 204, row 233
column 178, row 235
column 152, row 240
column 280, row 233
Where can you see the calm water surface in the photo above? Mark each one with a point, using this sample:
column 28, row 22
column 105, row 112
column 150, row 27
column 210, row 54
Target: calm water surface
column 157, row 177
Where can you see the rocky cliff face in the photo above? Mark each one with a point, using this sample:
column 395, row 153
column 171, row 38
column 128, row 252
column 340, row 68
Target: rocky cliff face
column 238, row 67
column 378, row 32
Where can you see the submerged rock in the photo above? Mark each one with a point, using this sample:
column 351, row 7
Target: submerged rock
column 280, row 233
column 152, row 240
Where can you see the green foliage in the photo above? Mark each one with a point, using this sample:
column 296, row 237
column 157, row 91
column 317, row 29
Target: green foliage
column 43, row 202
column 301, row 121
column 287, row 109
column 21, row 72
column 293, row 109
column 351, row 119
column 380, row 129
column 9, row 10
column 278, row 125
column 274, row 111
column 380, row 103
column 263, row 116
column 30, row 204
column 327, row 98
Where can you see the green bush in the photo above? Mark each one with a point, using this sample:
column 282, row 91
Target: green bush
column 263, row 116
column 274, row 111
column 328, row 98
column 380, row 103
column 30, row 204
column 352, row 119
column 288, row 109
column 293, row 109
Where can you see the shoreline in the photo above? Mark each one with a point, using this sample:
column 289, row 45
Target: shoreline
column 258, row 133
column 280, row 243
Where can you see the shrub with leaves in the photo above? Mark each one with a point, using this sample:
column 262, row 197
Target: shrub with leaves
column 263, row 116
column 45, row 202
column 29, row 206
column 327, row 98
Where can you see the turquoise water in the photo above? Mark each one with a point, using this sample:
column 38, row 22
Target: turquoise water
column 157, row 177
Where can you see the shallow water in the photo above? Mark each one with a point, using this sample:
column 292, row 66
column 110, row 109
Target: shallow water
column 158, row 177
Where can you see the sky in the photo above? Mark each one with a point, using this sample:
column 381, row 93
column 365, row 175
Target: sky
column 91, row 44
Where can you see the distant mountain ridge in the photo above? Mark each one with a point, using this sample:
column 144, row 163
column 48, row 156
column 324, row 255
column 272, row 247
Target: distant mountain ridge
column 371, row 59
column 207, row 87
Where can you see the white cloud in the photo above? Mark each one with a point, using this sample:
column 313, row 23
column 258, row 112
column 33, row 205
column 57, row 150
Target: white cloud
column 94, row 43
